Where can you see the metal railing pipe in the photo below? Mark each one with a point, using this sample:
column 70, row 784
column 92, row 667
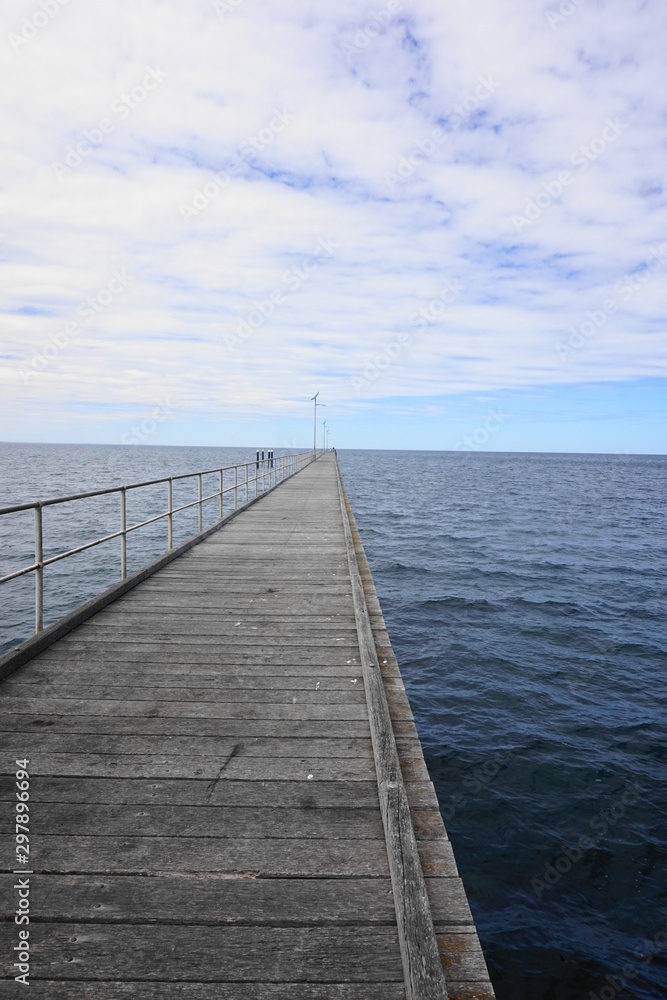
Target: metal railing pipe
column 170, row 514
column 39, row 571
column 123, row 534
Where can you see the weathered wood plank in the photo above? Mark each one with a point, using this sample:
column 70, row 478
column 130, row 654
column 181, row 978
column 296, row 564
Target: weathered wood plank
column 258, row 658
column 194, row 710
column 190, row 746
column 209, row 899
column 211, row 954
column 219, row 768
column 199, row 791
column 462, row 954
column 69, row 990
column 154, row 855
column 353, row 695
column 317, row 631
column 188, row 791
column 25, row 727
column 246, row 674
column 222, row 680
column 239, row 823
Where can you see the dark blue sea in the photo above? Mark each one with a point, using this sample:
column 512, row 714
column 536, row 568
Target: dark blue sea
column 526, row 599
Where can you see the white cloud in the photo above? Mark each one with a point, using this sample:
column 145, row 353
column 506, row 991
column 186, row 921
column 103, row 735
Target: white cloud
column 353, row 111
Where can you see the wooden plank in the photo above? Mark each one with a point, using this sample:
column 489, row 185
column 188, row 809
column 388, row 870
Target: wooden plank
column 192, row 746
column 208, row 899
column 218, row 768
column 188, row 791
column 211, row 954
column 462, row 954
column 221, row 682
column 25, row 727
column 257, row 658
column 121, row 642
column 316, row 629
column 176, row 709
column 173, row 675
column 352, row 695
column 223, row 822
column 297, row 614
column 273, row 858
column 422, row 967
column 69, row 990
column 247, row 674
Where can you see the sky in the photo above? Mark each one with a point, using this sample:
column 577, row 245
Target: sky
column 447, row 218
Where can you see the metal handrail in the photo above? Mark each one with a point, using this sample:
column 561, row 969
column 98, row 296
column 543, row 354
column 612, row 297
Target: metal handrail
column 275, row 468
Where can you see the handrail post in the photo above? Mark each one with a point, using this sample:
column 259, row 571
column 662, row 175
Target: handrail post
column 170, row 518
column 236, row 486
column 123, row 534
column 201, row 512
column 222, row 484
column 39, row 572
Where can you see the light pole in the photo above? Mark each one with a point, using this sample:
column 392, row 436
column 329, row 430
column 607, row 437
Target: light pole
column 314, row 399
column 324, row 436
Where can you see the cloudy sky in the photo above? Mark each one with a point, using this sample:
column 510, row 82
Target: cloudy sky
column 448, row 218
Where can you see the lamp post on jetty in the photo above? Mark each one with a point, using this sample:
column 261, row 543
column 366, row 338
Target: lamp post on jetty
column 314, row 399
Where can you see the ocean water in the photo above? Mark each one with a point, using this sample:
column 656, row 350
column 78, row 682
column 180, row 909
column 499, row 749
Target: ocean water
column 525, row 596
column 526, row 599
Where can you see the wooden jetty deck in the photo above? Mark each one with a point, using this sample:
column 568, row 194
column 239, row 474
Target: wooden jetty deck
column 217, row 809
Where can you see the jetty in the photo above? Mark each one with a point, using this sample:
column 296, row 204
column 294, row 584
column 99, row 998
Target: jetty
column 228, row 798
